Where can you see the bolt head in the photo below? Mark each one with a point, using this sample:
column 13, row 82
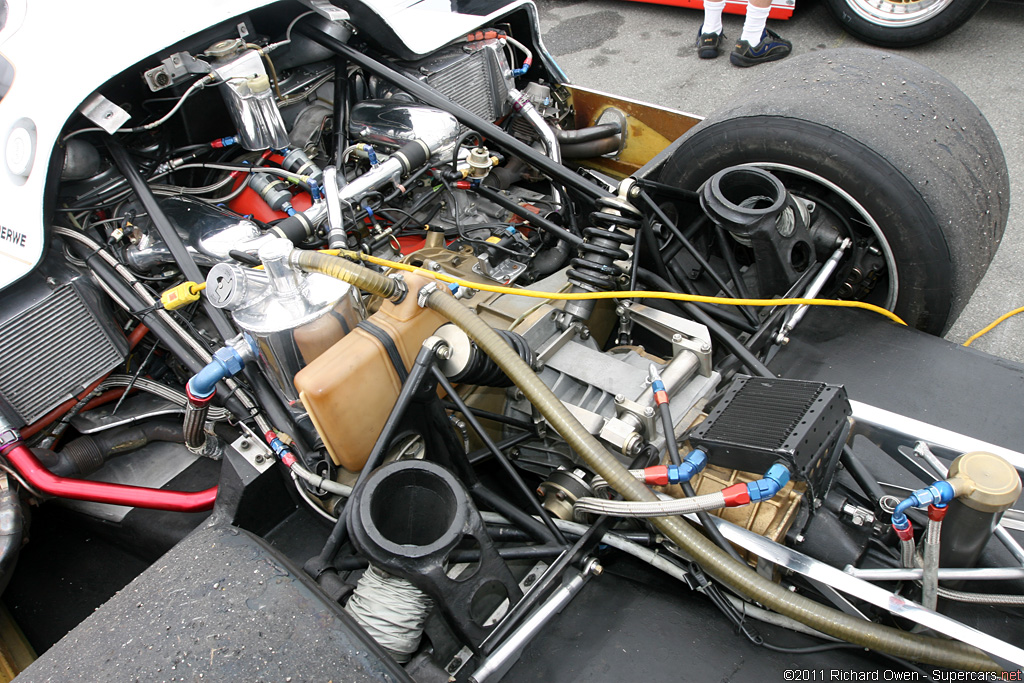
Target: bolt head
column 620, row 398
column 677, row 338
column 244, row 444
column 259, row 458
column 648, row 412
column 596, row 569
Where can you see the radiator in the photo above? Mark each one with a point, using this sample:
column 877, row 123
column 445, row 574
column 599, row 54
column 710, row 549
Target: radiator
column 53, row 343
column 475, row 76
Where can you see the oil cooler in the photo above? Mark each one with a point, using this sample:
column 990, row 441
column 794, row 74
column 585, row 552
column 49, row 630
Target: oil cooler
column 57, row 336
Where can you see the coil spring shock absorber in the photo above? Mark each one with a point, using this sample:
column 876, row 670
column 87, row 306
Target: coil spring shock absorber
column 594, row 270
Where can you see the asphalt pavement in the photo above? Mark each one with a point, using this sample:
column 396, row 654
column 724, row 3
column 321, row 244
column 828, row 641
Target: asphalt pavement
column 647, row 52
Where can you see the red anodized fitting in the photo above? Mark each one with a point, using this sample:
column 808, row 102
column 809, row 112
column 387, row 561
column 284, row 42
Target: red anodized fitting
column 905, row 534
column 736, row 495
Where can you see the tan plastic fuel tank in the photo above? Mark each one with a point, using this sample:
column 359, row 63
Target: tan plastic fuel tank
column 349, row 389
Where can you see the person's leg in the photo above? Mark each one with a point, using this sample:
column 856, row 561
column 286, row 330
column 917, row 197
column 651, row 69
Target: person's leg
column 709, row 37
column 758, row 44
column 713, row 16
column 754, row 23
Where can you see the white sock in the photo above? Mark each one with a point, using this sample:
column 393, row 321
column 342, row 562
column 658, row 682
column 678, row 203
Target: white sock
column 753, row 25
column 712, row 16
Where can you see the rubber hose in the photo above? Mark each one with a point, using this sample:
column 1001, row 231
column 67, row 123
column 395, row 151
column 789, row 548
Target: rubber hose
column 86, row 454
column 589, row 150
column 713, row 560
column 589, row 134
column 552, row 259
column 352, row 273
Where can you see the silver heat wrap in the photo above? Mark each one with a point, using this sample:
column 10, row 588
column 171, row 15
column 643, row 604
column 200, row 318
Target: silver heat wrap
column 391, row 610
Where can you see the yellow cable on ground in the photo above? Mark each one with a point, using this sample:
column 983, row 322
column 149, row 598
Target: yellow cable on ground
column 1001, row 319
column 674, row 296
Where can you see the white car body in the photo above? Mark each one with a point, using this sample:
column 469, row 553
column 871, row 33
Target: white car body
column 58, row 66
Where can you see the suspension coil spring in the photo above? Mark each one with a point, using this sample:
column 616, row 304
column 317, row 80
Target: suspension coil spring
column 595, row 269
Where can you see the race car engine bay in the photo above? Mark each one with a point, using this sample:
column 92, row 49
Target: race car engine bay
column 420, row 330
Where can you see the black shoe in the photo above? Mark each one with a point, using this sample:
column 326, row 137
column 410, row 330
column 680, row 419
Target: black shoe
column 708, row 44
column 771, row 48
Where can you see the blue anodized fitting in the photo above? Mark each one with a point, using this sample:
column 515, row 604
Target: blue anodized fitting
column 688, row 468
column 774, row 479
column 939, row 493
column 227, row 361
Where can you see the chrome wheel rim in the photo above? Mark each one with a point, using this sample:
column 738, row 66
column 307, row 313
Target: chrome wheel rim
column 892, row 14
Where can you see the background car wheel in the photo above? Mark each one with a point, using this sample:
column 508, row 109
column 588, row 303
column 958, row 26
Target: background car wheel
column 899, row 158
column 902, row 23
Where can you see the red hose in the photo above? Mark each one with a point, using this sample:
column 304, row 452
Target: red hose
column 102, row 492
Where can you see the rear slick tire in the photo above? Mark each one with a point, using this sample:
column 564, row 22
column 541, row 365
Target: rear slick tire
column 907, row 157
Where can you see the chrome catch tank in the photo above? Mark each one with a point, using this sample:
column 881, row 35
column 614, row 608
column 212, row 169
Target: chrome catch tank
column 293, row 316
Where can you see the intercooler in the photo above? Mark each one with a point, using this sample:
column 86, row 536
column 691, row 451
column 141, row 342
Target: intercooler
column 474, row 75
column 55, row 339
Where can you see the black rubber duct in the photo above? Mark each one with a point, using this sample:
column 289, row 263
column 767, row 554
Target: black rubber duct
column 86, row 454
column 580, row 135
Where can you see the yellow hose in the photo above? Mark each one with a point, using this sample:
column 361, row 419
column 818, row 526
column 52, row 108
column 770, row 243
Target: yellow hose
column 630, row 294
column 991, row 326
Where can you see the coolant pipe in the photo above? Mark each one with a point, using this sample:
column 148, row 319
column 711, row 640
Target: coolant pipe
column 410, row 156
column 714, row 561
column 522, row 105
column 41, row 479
